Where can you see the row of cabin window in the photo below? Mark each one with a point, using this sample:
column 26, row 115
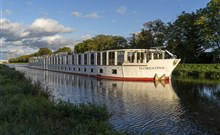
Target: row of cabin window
column 114, row 71
column 111, row 58
column 140, row 57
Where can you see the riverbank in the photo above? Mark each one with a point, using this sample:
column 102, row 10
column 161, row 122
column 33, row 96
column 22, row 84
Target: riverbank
column 27, row 108
column 199, row 71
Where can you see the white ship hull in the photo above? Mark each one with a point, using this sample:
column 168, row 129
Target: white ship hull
column 155, row 69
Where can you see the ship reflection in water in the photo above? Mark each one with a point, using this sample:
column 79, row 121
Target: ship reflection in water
column 136, row 107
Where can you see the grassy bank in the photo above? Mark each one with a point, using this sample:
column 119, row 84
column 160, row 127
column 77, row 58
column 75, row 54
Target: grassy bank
column 25, row 108
column 200, row 71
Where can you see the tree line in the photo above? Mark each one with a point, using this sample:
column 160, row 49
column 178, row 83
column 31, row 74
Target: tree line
column 193, row 37
column 41, row 52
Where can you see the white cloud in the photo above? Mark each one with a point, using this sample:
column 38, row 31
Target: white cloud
column 6, row 24
column 85, row 37
column 17, row 51
column 121, row 10
column 52, row 42
column 43, row 25
column 12, row 51
column 42, row 32
column 77, row 14
column 93, row 15
column 10, row 31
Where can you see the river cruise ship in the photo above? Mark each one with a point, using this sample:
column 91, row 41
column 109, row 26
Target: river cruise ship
column 121, row 64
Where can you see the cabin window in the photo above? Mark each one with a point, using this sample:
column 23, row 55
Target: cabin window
column 104, row 58
column 69, row 69
column 98, row 59
column 157, row 56
column 120, row 58
column 58, row 60
column 85, row 59
column 140, row 57
column 92, row 59
column 100, row 70
column 148, row 56
column 84, row 69
column 67, row 60
column 111, row 57
column 74, row 69
column 79, row 69
column 131, row 57
column 79, row 59
column 72, row 59
column 91, row 70
column 62, row 60
column 114, row 71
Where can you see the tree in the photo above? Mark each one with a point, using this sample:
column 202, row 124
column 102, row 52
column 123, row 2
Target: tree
column 185, row 39
column 210, row 21
column 153, row 34
column 157, row 29
column 44, row 51
column 120, row 43
column 25, row 58
column 132, row 41
column 100, row 43
column 64, row 49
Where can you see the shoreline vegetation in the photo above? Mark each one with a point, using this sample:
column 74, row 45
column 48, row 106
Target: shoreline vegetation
column 197, row 71
column 27, row 108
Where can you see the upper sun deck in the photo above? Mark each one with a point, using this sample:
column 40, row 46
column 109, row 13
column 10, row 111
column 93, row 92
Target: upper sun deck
column 107, row 57
column 125, row 50
column 128, row 56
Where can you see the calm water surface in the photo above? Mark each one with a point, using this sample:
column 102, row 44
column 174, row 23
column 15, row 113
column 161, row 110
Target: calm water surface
column 178, row 108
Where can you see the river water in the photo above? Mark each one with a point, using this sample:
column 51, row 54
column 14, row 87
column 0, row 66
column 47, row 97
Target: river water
column 176, row 108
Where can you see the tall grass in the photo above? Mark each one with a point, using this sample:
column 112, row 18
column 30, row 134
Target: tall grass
column 200, row 71
column 25, row 108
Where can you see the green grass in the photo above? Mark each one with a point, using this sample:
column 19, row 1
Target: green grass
column 26, row 108
column 200, row 71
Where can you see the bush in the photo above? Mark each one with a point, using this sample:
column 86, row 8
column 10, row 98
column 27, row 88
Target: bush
column 200, row 71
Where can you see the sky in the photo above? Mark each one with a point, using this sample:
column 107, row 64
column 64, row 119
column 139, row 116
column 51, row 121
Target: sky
column 27, row 25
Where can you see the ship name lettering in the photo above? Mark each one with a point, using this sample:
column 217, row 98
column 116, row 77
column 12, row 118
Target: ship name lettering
column 150, row 68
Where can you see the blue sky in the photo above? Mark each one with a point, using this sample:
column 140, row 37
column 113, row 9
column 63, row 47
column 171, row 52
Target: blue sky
column 57, row 23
